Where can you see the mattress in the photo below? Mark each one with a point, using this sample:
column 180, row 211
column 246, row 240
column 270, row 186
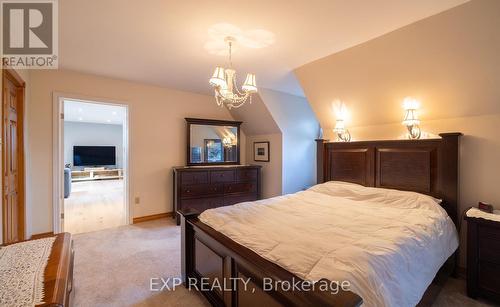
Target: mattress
column 387, row 244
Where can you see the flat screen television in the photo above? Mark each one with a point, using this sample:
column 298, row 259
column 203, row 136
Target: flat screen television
column 94, row 155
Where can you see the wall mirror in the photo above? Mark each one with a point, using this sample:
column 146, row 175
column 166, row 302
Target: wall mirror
column 212, row 142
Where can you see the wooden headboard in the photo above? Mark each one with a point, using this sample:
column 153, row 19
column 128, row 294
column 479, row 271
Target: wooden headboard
column 428, row 166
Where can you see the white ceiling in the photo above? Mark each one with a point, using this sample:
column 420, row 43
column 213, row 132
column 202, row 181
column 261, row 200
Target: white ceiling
column 85, row 112
column 163, row 42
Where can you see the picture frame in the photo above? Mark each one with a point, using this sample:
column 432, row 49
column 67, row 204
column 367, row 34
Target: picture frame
column 261, row 151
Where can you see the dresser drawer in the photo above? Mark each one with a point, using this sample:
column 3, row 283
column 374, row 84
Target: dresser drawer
column 248, row 187
column 235, row 199
column 190, row 191
column 489, row 276
column 194, row 177
column 202, row 204
column 489, row 244
column 243, row 175
column 221, row 176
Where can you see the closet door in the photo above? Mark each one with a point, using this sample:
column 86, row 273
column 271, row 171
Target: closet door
column 12, row 157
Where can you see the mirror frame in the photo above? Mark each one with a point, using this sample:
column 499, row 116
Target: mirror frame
column 211, row 122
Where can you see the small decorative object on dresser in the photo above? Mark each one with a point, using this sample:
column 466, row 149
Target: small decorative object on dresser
column 483, row 254
column 261, row 151
column 202, row 188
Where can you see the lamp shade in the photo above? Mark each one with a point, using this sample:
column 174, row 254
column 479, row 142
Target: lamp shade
column 218, row 78
column 411, row 118
column 250, row 85
column 410, row 103
column 339, row 126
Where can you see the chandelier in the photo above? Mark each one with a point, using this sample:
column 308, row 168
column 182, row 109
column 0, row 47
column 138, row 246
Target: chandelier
column 224, row 83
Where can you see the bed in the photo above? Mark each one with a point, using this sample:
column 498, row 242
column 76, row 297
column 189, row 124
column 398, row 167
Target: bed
column 52, row 286
column 382, row 217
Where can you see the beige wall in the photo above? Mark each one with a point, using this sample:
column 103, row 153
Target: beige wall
column 260, row 125
column 272, row 171
column 450, row 62
column 157, row 136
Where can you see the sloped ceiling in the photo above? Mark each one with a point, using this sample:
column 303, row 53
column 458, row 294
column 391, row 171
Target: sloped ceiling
column 448, row 61
column 161, row 42
column 256, row 118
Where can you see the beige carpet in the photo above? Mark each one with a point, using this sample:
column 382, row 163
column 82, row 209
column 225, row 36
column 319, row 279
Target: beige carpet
column 113, row 267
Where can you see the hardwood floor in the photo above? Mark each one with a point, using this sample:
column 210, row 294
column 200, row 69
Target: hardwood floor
column 94, row 205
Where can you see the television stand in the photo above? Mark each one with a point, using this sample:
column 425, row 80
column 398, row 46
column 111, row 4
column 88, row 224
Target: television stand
column 97, row 173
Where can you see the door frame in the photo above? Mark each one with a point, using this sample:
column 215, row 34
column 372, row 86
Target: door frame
column 21, row 119
column 58, row 153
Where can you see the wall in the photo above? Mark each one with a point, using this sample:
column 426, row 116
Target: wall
column 300, row 127
column 279, row 117
column 450, row 62
column 272, row 171
column 157, row 135
column 92, row 134
column 259, row 125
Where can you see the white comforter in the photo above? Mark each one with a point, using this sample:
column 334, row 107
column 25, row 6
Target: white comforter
column 388, row 244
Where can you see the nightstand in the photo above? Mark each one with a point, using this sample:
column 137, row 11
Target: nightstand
column 483, row 254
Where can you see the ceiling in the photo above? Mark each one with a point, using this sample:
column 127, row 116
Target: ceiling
column 165, row 42
column 84, row 112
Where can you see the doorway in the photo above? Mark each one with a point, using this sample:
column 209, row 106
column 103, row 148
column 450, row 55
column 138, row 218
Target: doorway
column 93, row 161
column 13, row 177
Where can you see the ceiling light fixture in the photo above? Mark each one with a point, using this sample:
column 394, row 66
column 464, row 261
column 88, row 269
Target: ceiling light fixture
column 224, row 83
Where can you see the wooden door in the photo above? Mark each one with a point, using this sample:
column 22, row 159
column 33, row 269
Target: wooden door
column 12, row 157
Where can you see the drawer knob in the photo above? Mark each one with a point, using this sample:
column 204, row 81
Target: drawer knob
column 188, row 191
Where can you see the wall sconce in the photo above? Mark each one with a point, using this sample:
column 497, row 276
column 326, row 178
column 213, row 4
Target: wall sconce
column 411, row 121
column 340, row 130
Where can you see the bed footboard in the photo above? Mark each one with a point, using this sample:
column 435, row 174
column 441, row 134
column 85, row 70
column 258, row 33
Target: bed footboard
column 229, row 274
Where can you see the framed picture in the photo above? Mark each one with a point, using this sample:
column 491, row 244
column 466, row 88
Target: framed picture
column 261, row 151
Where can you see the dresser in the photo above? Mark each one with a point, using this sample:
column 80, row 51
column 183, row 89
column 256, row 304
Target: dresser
column 483, row 258
column 205, row 187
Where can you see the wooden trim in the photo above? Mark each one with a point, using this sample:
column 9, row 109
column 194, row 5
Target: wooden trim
column 42, row 235
column 15, row 78
column 152, row 217
column 58, row 278
column 319, row 160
